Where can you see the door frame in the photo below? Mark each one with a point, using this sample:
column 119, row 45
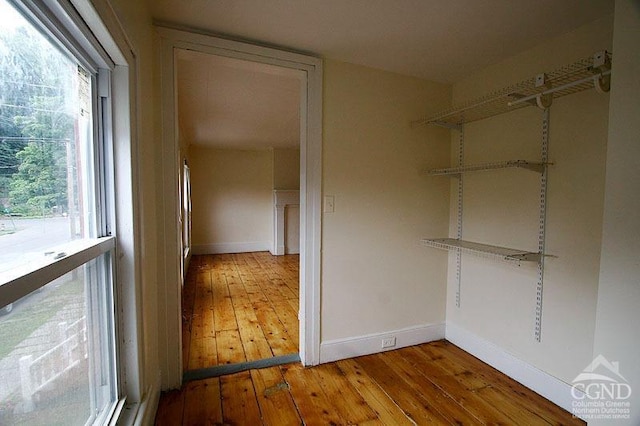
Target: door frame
column 169, row 252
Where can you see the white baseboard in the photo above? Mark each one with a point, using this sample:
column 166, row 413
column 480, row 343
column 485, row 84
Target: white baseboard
column 277, row 250
column 334, row 350
column 550, row 387
column 219, row 248
column 281, row 250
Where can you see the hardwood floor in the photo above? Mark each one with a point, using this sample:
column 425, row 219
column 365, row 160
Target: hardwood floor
column 239, row 307
column 243, row 307
column 435, row 383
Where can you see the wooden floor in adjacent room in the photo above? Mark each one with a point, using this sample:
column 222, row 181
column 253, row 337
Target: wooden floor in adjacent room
column 239, row 307
column 435, row 383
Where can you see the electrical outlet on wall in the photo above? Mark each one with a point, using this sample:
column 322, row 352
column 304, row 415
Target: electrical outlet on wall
column 388, row 342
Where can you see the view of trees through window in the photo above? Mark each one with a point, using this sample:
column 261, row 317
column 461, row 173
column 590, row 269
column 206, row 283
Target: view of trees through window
column 36, row 126
column 44, row 133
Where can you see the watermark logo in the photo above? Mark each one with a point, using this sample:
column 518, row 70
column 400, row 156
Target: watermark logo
column 600, row 391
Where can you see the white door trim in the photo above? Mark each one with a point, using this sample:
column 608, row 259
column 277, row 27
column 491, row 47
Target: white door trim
column 170, row 316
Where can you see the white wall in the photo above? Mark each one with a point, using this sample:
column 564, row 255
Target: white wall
column 286, row 175
column 619, row 291
column 376, row 277
column 232, row 207
column 286, row 168
column 292, row 229
column 501, row 208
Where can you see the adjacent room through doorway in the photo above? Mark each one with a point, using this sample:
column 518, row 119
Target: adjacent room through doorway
column 239, row 140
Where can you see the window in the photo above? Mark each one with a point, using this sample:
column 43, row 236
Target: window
column 186, row 211
column 58, row 357
column 185, row 220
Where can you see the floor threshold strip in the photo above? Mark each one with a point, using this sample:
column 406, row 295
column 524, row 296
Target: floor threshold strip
column 223, row 370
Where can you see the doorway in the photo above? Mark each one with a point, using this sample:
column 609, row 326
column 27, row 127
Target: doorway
column 239, row 134
column 310, row 71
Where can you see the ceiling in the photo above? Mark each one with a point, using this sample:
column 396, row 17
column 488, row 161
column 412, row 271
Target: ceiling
column 439, row 40
column 231, row 103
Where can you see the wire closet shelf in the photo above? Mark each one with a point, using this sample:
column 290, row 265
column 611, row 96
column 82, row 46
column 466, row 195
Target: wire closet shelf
column 540, row 90
column 504, row 254
column 534, row 166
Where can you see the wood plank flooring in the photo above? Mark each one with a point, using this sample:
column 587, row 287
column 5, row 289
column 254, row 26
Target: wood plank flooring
column 243, row 307
column 239, row 307
column 435, row 383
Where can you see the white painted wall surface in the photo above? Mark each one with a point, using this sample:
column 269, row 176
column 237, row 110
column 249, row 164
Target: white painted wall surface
column 501, row 208
column 619, row 291
column 286, row 168
column 375, row 275
column 286, row 175
column 292, row 229
column 231, row 199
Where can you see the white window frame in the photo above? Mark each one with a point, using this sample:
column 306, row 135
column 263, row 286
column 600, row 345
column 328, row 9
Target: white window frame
column 186, row 213
column 91, row 32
